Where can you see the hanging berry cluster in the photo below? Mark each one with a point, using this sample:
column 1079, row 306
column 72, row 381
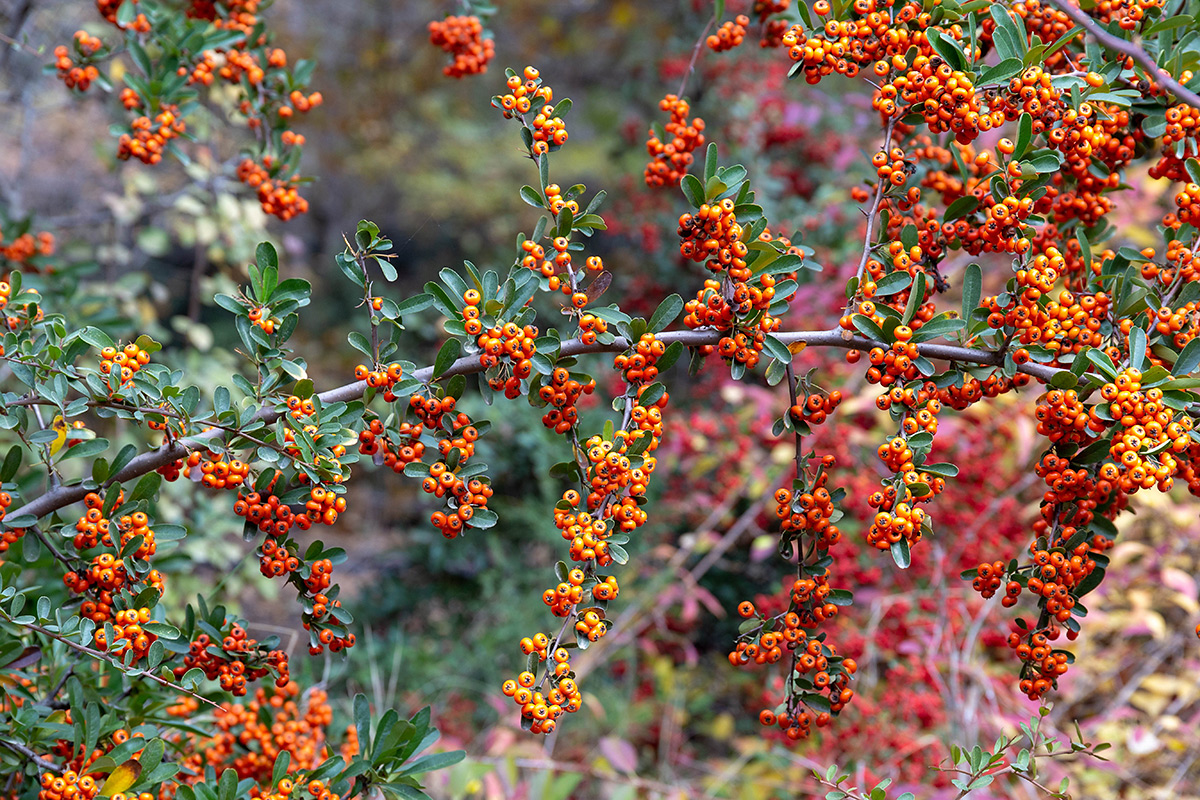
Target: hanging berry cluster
column 816, row 683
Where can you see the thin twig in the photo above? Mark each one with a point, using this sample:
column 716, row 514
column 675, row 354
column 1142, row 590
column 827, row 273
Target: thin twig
column 873, row 212
column 695, row 55
column 99, row 656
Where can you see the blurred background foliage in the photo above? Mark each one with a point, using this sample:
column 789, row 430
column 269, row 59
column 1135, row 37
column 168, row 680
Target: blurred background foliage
column 432, row 163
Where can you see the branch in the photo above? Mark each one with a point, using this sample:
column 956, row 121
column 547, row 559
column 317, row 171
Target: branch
column 62, row 496
column 100, row 656
column 1128, row 48
column 695, row 54
column 43, row 764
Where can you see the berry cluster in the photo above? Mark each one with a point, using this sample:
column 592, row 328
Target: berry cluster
column 671, row 155
column 125, row 362
column 463, row 38
column 128, row 635
column 505, row 351
column 278, row 195
column 562, row 394
column 464, row 495
column 807, row 513
column 250, row 736
column 398, row 452
column 542, row 711
column 107, row 574
column 815, row 408
column 1147, row 436
column 147, row 139
column 380, row 377
column 260, row 317
column 234, row 660
column 729, row 35
column 546, row 129
column 78, row 72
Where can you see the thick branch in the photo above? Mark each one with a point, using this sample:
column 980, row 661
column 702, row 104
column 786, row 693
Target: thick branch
column 148, row 462
column 1116, row 43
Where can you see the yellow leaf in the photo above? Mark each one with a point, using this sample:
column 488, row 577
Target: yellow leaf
column 796, row 347
column 60, row 427
column 121, row 778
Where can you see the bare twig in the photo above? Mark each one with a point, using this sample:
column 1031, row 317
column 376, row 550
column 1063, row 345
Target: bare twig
column 695, row 55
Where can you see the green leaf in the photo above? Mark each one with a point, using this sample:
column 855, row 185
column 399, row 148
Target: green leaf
column 693, row 190
column 1137, row 347
column 146, row 488
column 817, row 702
column 1044, row 161
column 434, row 761
column 788, row 262
column 947, row 48
column 362, row 720
column 85, row 449
column 710, row 161
column 265, row 256
column 1188, row 361
column 531, row 196
column 669, row 357
column 938, row 326
column 162, row 629
column 915, row 298
column 961, row 207
column 561, row 108
column 901, row 554
column 152, row 755
column 124, row 18
column 360, row 343
column 96, row 338
column 1193, row 169
column 227, row 785
column 972, row 289
column 665, row 314
column 484, row 518
column 1064, row 379
column 777, row 349
column 893, row 283
column 1024, row 134
column 868, row 327
column 1002, row 72
column 1010, row 40
column 1085, row 247
column 446, row 357
column 1103, row 363
column 12, row 462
